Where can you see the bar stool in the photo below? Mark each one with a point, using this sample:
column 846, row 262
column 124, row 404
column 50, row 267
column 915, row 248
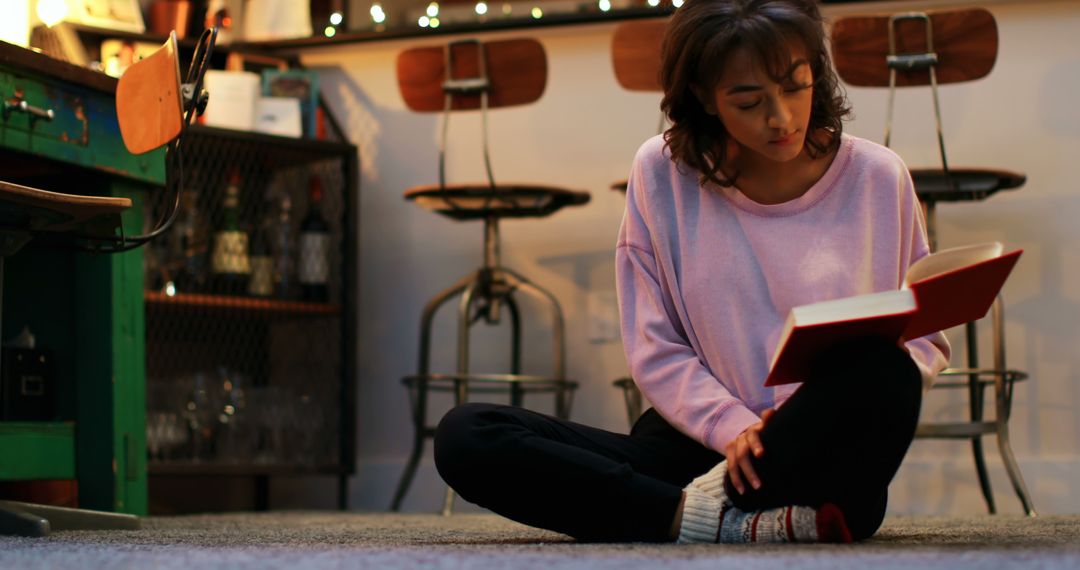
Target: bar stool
column 468, row 75
column 927, row 49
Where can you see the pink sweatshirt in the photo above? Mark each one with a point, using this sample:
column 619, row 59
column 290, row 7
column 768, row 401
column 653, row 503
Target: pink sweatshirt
column 706, row 277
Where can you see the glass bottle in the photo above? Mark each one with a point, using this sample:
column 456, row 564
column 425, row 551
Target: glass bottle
column 230, row 262
column 261, row 283
column 283, row 247
column 314, row 254
column 193, row 237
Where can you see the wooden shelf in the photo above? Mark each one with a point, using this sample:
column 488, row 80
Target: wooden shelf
column 156, row 299
column 310, row 149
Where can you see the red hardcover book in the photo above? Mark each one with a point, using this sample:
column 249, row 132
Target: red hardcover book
column 940, row 291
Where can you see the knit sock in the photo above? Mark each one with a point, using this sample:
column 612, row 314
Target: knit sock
column 708, row 519
column 784, row 524
column 712, row 483
column 701, row 517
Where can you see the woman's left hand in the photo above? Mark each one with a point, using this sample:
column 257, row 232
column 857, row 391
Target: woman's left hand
column 738, row 454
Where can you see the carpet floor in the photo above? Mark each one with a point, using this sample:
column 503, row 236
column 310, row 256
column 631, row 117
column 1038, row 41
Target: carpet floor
column 302, row 540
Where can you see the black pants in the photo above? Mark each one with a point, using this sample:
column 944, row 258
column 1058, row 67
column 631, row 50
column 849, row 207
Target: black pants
column 840, row 439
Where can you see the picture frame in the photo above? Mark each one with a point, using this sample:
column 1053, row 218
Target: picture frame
column 120, row 15
column 298, row 84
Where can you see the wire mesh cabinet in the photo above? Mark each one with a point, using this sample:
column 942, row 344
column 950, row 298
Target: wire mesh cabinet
column 250, row 308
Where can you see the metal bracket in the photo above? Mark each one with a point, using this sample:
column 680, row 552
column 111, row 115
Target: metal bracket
column 466, row 85
column 911, row 62
column 187, row 92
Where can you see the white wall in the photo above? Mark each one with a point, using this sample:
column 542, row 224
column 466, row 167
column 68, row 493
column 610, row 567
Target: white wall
column 583, row 133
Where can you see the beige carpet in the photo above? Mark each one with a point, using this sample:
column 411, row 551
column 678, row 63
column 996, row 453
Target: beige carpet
column 353, row 540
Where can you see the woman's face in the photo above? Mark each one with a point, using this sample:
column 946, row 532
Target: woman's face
column 761, row 115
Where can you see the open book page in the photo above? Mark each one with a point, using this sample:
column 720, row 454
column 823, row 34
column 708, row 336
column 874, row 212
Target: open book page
column 951, row 259
column 957, row 288
column 884, row 302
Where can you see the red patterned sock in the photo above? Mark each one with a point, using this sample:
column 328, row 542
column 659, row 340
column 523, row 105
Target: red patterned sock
column 784, row 524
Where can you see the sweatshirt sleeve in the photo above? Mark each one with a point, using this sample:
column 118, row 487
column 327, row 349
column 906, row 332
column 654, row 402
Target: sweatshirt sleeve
column 931, row 353
column 662, row 361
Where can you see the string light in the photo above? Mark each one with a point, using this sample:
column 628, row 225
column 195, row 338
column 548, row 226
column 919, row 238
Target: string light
column 654, row 3
column 677, row 3
column 51, row 12
column 537, row 13
column 423, row 21
column 330, row 31
column 605, row 5
column 335, row 18
column 433, row 9
column 481, row 8
column 377, row 14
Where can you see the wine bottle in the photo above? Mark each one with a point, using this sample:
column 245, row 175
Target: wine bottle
column 283, row 246
column 314, row 254
column 193, row 241
column 261, row 283
column 230, row 263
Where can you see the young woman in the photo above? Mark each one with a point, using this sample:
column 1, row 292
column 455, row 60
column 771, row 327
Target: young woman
column 752, row 203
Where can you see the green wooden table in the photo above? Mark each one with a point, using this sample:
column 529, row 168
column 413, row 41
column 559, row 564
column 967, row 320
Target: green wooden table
column 86, row 309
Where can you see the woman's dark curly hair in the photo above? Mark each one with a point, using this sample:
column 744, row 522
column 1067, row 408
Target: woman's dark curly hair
column 700, row 38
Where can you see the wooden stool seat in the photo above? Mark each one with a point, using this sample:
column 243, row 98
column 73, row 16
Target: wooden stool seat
column 479, row 201
column 931, row 184
column 23, row 208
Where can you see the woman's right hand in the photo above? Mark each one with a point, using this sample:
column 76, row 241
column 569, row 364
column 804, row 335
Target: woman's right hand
column 739, row 451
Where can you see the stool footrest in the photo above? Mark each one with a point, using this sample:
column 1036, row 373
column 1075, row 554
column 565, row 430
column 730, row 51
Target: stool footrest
column 490, row 382
column 959, row 377
column 959, row 430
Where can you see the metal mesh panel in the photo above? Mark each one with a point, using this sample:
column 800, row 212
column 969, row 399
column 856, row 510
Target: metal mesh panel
column 244, row 353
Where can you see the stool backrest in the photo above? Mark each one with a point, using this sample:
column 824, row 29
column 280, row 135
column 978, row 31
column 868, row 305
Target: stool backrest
column 515, row 70
column 148, row 100
column 965, row 43
column 635, row 54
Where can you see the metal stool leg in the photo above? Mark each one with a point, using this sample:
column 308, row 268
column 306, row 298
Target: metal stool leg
column 1003, row 408
column 20, row 523
column 975, row 409
column 418, row 394
column 461, row 387
column 419, row 410
column 562, row 403
column 517, row 393
column 631, row 398
column 29, row 519
column 984, row 478
column 1013, row 469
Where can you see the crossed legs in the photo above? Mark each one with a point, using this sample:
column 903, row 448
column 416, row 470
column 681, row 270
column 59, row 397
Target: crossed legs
column 839, row 439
